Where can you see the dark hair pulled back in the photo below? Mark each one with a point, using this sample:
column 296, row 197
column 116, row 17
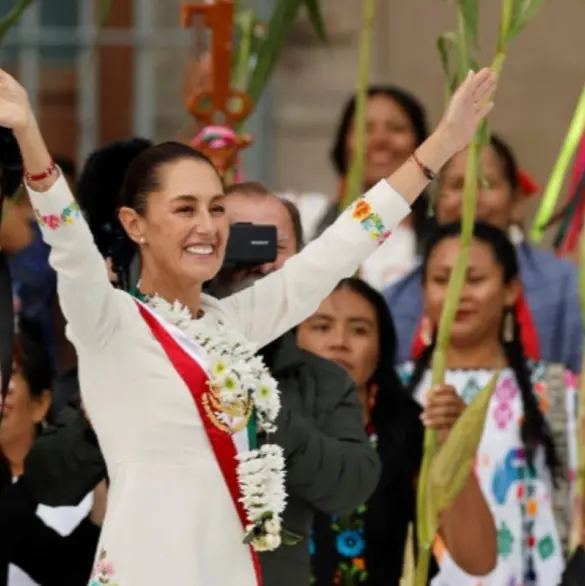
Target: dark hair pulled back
column 507, row 160
column 142, row 176
column 418, row 120
column 535, row 430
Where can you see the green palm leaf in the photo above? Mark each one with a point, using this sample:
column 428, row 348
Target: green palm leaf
column 316, row 18
column 13, row 17
column 469, row 12
column 281, row 21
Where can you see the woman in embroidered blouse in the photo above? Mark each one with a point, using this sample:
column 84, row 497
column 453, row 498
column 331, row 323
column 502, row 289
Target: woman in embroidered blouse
column 353, row 328
column 185, row 478
column 516, row 460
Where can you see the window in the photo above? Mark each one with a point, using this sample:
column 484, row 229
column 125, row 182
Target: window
column 89, row 88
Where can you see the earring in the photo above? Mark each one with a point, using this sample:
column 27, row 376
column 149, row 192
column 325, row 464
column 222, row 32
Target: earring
column 142, row 240
column 509, row 326
column 426, row 331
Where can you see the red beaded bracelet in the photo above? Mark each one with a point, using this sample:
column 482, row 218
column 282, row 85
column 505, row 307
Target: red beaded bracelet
column 428, row 173
column 35, row 177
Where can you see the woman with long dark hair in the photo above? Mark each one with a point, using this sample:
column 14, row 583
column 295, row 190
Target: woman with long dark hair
column 517, row 460
column 396, row 124
column 548, row 308
column 353, row 328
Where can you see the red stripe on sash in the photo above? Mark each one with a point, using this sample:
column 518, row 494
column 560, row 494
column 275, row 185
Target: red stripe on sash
column 222, row 444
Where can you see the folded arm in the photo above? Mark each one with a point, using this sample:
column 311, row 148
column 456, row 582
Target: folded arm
column 331, row 466
column 85, row 293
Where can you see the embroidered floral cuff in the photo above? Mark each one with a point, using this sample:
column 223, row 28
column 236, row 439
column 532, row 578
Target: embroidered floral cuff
column 54, row 221
column 370, row 221
column 379, row 210
column 56, row 207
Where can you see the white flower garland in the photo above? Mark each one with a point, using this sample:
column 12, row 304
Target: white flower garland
column 238, row 373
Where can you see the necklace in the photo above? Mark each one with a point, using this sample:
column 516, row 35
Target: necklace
column 241, row 394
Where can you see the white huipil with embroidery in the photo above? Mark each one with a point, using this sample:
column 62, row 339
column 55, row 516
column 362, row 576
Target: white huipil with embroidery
column 171, row 518
column 520, row 502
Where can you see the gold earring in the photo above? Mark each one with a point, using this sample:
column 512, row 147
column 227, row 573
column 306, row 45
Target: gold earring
column 142, row 240
column 426, row 331
column 509, row 326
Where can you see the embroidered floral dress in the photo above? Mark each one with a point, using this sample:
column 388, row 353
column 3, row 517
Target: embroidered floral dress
column 174, row 505
column 520, row 498
column 342, row 544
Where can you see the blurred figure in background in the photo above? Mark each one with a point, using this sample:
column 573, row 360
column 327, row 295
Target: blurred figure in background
column 396, row 125
column 548, row 308
column 41, row 546
column 33, row 278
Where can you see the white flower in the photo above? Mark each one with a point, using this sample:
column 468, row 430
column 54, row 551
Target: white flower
column 236, row 373
column 272, row 526
column 272, row 541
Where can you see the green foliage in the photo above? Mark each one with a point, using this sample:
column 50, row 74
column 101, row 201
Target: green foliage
column 458, row 53
column 259, row 53
column 13, row 17
column 355, row 180
column 454, row 461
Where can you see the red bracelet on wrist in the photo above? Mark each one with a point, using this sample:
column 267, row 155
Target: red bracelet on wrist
column 35, row 177
column 428, row 173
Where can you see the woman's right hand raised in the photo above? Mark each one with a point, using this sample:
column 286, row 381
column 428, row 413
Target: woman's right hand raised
column 15, row 110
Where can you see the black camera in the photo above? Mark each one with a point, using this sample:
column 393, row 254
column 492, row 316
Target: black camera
column 250, row 245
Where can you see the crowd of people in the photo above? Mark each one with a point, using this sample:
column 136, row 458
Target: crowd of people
column 110, row 475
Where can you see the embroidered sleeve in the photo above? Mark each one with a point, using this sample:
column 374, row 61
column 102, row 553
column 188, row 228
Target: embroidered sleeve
column 571, row 399
column 283, row 299
column 85, row 293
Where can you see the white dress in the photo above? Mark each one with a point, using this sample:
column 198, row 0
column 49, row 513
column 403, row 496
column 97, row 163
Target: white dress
column 520, row 500
column 171, row 519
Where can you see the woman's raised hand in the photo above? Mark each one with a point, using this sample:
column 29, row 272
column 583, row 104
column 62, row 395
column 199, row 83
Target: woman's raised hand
column 470, row 104
column 15, row 110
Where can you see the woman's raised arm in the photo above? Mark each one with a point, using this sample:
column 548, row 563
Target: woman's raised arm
column 281, row 300
column 87, row 298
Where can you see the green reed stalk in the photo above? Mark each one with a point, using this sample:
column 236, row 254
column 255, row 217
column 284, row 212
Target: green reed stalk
column 515, row 15
column 355, row 181
column 560, row 169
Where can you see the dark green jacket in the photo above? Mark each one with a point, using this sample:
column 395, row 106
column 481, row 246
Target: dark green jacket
column 329, row 462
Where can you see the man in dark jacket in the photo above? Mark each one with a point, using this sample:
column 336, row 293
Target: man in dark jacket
column 330, row 466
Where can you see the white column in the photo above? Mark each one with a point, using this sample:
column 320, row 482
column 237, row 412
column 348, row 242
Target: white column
column 29, row 55
column 87, row 83
column 144, row 107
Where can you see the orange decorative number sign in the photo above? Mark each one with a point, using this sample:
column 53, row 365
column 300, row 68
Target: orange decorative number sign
column 234, row 104
column 219, row 142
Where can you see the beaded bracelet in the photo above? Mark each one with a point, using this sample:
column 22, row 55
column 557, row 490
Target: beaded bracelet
column 428, row 173
column 36, row 177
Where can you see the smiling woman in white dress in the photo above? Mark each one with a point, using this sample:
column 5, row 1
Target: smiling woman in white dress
column 176, row 400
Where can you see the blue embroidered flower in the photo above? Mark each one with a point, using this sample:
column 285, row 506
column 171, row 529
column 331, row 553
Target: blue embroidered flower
column 311, row 546
column 350, row 543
